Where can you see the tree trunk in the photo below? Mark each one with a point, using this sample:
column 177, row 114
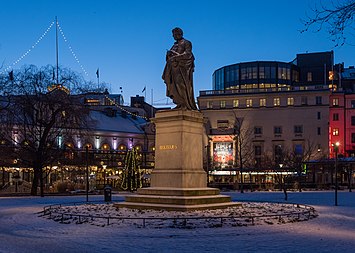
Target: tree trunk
column 35, row 182
column 285, row 192
column 41, row 182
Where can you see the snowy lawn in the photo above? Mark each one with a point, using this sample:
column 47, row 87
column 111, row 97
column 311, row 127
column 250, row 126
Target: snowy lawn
column 21, row 230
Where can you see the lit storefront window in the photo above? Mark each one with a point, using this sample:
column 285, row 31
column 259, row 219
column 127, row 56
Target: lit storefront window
column 223, row 154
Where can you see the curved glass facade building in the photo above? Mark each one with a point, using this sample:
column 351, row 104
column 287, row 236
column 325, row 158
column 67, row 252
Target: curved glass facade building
column 256, row 75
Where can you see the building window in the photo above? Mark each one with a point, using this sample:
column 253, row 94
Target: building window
column 318, row 131
column 277, row 130
column 304, row 101
column 318, row 115
column 262, row 101
column 276, row 101
column 249, row 103
column 298, row 129
column 353, row 120
column 309, row 76
column 352, row 137
column 335, row 102
column 235, row 103
column 258, row 130
column 223, row 104
column 318, row 100
column 278, row 154
column 209, row 104
column 335, row 131
column 290, row 101
column 222, row 124
column 352, row 103
column 335, row 116
column 257, row 150
column 298, row 150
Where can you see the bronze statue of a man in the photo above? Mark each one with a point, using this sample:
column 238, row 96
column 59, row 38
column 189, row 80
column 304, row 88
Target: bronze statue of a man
column 178, row 72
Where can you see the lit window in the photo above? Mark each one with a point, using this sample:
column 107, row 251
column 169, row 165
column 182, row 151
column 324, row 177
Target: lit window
column 209, row 104
column 249, row 102
column 309, row 76
column 331, row 75
column 235, row 103
column 335, row 102
column 335, row 131
column 223, row 104
column 262, row 101
column 276, row 101
column 290, row 101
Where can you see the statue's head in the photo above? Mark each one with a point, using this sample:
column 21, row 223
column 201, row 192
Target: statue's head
column 177, row 33
column 178, row 30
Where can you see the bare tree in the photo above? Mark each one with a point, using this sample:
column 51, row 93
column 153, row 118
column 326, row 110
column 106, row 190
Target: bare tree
column 337, row 18
column 40, row 115
column 244, row 152
column 296, row 159
column 276, row 164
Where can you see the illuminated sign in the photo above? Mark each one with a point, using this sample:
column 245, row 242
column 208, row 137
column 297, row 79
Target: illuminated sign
column 168, row 147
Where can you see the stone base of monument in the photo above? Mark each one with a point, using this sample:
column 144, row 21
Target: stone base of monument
column 177, row 199
column 178, row 181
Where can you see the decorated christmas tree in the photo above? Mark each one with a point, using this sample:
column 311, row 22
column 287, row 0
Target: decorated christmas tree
column 131, row 179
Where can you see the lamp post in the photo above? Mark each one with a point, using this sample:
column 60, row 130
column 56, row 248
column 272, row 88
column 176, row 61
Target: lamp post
column 87, row 172
column 336, row 149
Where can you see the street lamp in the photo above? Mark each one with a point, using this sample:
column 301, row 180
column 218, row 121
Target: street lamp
column 336, row 149
column 87, row 172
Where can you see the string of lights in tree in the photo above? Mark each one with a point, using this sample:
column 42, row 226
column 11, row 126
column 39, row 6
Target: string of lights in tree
column 71, row 50
column 132, row 175
column 123, row 109
column 29, row 50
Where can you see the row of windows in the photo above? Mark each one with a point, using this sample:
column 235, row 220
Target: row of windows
column 297, row 129
column 251, row 72
column 335, row 102
column 262, row 102
column 336, row 118
column 278, row 152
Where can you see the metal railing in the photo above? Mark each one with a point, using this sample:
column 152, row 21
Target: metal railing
column 307, row 213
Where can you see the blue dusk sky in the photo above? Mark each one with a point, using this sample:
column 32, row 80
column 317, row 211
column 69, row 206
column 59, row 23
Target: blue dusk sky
column 127, row 40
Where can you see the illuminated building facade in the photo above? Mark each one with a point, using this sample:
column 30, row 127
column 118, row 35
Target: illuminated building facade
column 114, row 129
column 268, row 109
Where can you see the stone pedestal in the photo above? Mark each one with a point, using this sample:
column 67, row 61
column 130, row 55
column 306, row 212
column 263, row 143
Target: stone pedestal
column 178, row 181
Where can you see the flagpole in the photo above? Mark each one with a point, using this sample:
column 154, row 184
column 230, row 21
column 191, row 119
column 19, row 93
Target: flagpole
column 56, row 46
column 145, row 92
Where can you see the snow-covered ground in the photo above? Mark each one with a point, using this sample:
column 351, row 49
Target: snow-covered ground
column 21, row 230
